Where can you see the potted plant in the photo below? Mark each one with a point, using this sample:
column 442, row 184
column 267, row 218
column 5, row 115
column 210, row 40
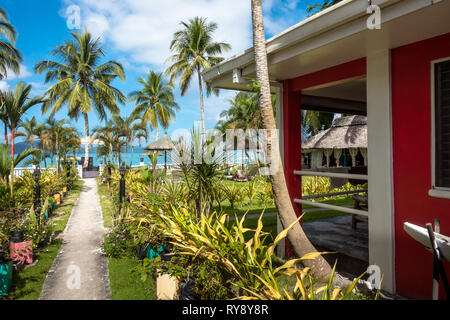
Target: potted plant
column 5, row 273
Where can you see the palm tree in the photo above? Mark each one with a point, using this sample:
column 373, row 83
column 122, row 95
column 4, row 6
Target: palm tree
column 55, row 130
column 83, row 84
column 128, row 128
column 10, row 57
column 108, row 137
column 6, row 160
column 29, row 129
column 195, row 51
column 314, row 8
column 155, row 101
column 17, row 102
column 315, row 121
column 300, row 243
column 41, row 133
column 69, row 141
column 138, row 130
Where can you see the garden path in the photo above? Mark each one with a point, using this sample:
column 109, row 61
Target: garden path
column 80, row 269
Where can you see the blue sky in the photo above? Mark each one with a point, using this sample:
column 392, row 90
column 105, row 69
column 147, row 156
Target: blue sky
column 137, row 33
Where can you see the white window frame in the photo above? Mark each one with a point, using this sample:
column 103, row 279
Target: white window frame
column 435, row 191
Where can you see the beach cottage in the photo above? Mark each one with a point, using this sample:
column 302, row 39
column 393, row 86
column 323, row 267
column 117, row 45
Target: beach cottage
column 397, row 74
column 344, row 144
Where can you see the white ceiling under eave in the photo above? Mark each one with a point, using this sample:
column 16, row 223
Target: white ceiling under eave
column 403, row 22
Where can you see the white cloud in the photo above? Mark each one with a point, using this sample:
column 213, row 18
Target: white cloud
column 140, row 31
column 144, row 29
column 4, row 85
column 24, row 73
column 215, row 105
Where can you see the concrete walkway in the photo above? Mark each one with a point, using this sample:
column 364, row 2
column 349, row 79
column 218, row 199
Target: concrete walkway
column 80, row 269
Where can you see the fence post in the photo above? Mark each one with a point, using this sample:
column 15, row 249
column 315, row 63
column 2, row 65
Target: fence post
column 37, row 192
column 122, row 171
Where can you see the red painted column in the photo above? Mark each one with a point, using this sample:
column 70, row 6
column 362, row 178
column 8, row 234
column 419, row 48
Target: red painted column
column 292, row 139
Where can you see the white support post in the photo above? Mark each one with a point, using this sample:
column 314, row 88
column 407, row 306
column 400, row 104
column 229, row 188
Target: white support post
column 380, row 170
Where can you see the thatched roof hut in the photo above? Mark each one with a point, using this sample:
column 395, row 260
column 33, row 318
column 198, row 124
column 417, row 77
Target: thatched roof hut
column 162, row 144
column 345, row 133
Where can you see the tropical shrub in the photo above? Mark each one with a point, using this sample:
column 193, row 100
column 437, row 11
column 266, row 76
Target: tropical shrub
column 36, row 226
column 118, row 241
column 233, row 193
column 174, row 192
column 315, row 185
column 252, row 190
column 265, row 195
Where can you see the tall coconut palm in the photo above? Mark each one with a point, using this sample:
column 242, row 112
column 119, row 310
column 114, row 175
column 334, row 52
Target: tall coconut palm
column 155, row 101
column 195, row 51
column 10, row 57
column 300, row 243
column 55, row 130
column 29, row 130
column 138, row 130
column 17, row 102
column 108, row 137
column 128, row 128
column 69, row 141
column 83, row 84
column 41, row 133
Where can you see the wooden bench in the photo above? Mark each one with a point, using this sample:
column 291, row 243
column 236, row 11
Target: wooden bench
column 361, row 203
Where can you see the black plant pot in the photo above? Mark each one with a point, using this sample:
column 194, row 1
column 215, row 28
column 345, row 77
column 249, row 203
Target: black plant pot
column 142, row 251
column 187, row 289
column 167, row 255
column 17, row 236
column 2, row 257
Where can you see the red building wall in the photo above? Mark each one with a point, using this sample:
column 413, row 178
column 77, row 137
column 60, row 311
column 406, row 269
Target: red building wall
column 411, row 124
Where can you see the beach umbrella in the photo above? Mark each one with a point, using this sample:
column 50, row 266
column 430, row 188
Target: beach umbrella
column 162, row 144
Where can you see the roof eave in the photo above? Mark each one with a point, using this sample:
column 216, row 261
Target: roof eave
column 341, row 13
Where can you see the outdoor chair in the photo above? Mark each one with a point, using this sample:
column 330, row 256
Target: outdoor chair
column 176, row 176
column 240, row 176
column 361, row 203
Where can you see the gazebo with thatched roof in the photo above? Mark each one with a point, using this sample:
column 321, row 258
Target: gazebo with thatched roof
column 162, row 144
column 345, row 133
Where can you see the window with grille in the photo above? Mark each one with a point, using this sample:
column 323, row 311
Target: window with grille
column 442, row 124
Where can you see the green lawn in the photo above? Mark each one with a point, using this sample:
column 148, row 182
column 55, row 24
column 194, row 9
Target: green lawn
column 27, row 284
column 270, row 222
column 126, row 287
column 123, row 285
column 106, row 204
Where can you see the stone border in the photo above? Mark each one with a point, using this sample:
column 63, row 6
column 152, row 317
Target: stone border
column 104, row 258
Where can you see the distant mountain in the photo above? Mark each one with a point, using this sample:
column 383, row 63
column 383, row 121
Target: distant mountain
column 21, row 146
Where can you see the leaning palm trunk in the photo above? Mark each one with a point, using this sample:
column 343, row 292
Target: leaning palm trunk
column 86, row 147
column 296, row 236
column 156, row 132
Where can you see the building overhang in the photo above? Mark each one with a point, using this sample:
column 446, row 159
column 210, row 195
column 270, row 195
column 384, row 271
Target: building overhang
column 335, row 36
